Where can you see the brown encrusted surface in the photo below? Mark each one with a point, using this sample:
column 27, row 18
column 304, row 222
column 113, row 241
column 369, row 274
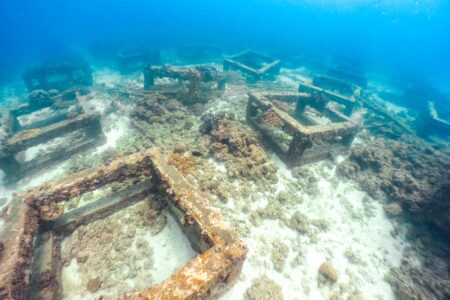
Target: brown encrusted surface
column 195, row 208
column 309, row 143
column 212, row 272
column 17, row 240
column 124, row 168
column 206, row 276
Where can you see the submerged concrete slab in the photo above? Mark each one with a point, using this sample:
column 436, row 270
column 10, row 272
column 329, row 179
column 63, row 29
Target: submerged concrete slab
column 208, row 275
column 294, row 136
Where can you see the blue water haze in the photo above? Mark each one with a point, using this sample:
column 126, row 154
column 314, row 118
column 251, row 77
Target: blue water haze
column 405, row 39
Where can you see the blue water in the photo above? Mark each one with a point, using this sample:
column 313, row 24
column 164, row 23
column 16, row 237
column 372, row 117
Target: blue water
column 408, row 39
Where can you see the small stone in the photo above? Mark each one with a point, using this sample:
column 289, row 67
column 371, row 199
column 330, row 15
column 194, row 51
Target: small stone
column 393, row 209
column 81, row 259
column 328, row 272
column 94, row 284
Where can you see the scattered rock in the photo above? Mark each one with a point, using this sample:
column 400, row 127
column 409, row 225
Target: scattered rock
column 82, row 258
column 393, row 209
column 94, row 285
column 327, row 273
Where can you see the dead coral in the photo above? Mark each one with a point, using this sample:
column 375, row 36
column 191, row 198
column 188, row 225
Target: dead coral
column 279, row 254
column 408, row 172
column 105, row 252
column 263, row 288
column 235, row 145
column 213, row 182
column 184, row 163
column 153, row 214
column 299, row 222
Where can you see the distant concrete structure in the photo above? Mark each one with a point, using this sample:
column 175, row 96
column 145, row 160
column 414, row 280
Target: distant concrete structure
column 255, row 66
column 330, row 89
column 43, row 119
column 294, row 135
column 61, row 76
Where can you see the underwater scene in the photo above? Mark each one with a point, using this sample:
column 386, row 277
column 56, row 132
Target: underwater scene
column 253, row 149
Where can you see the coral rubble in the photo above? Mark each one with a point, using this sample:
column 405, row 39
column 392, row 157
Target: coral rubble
column 234, row 144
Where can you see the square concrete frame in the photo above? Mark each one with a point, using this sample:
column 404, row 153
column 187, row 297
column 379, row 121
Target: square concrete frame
column 60, row 76
column 310, row 142
column 62, row 123
column 331, row 89
column 206, row 276
column 183, row 74
column 244, row 62
column 195, row 77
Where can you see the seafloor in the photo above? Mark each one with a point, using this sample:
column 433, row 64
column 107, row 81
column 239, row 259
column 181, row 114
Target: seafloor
column 352, row 228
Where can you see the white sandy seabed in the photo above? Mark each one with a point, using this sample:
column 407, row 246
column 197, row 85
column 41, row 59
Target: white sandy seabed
column 366, row 235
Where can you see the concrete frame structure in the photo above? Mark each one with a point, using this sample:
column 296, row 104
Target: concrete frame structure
column 254, row 65
column 310, row 142
column 331, row 89
column 64, row 121
column 60, row 76
column 195, row 77
column 206, row 276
